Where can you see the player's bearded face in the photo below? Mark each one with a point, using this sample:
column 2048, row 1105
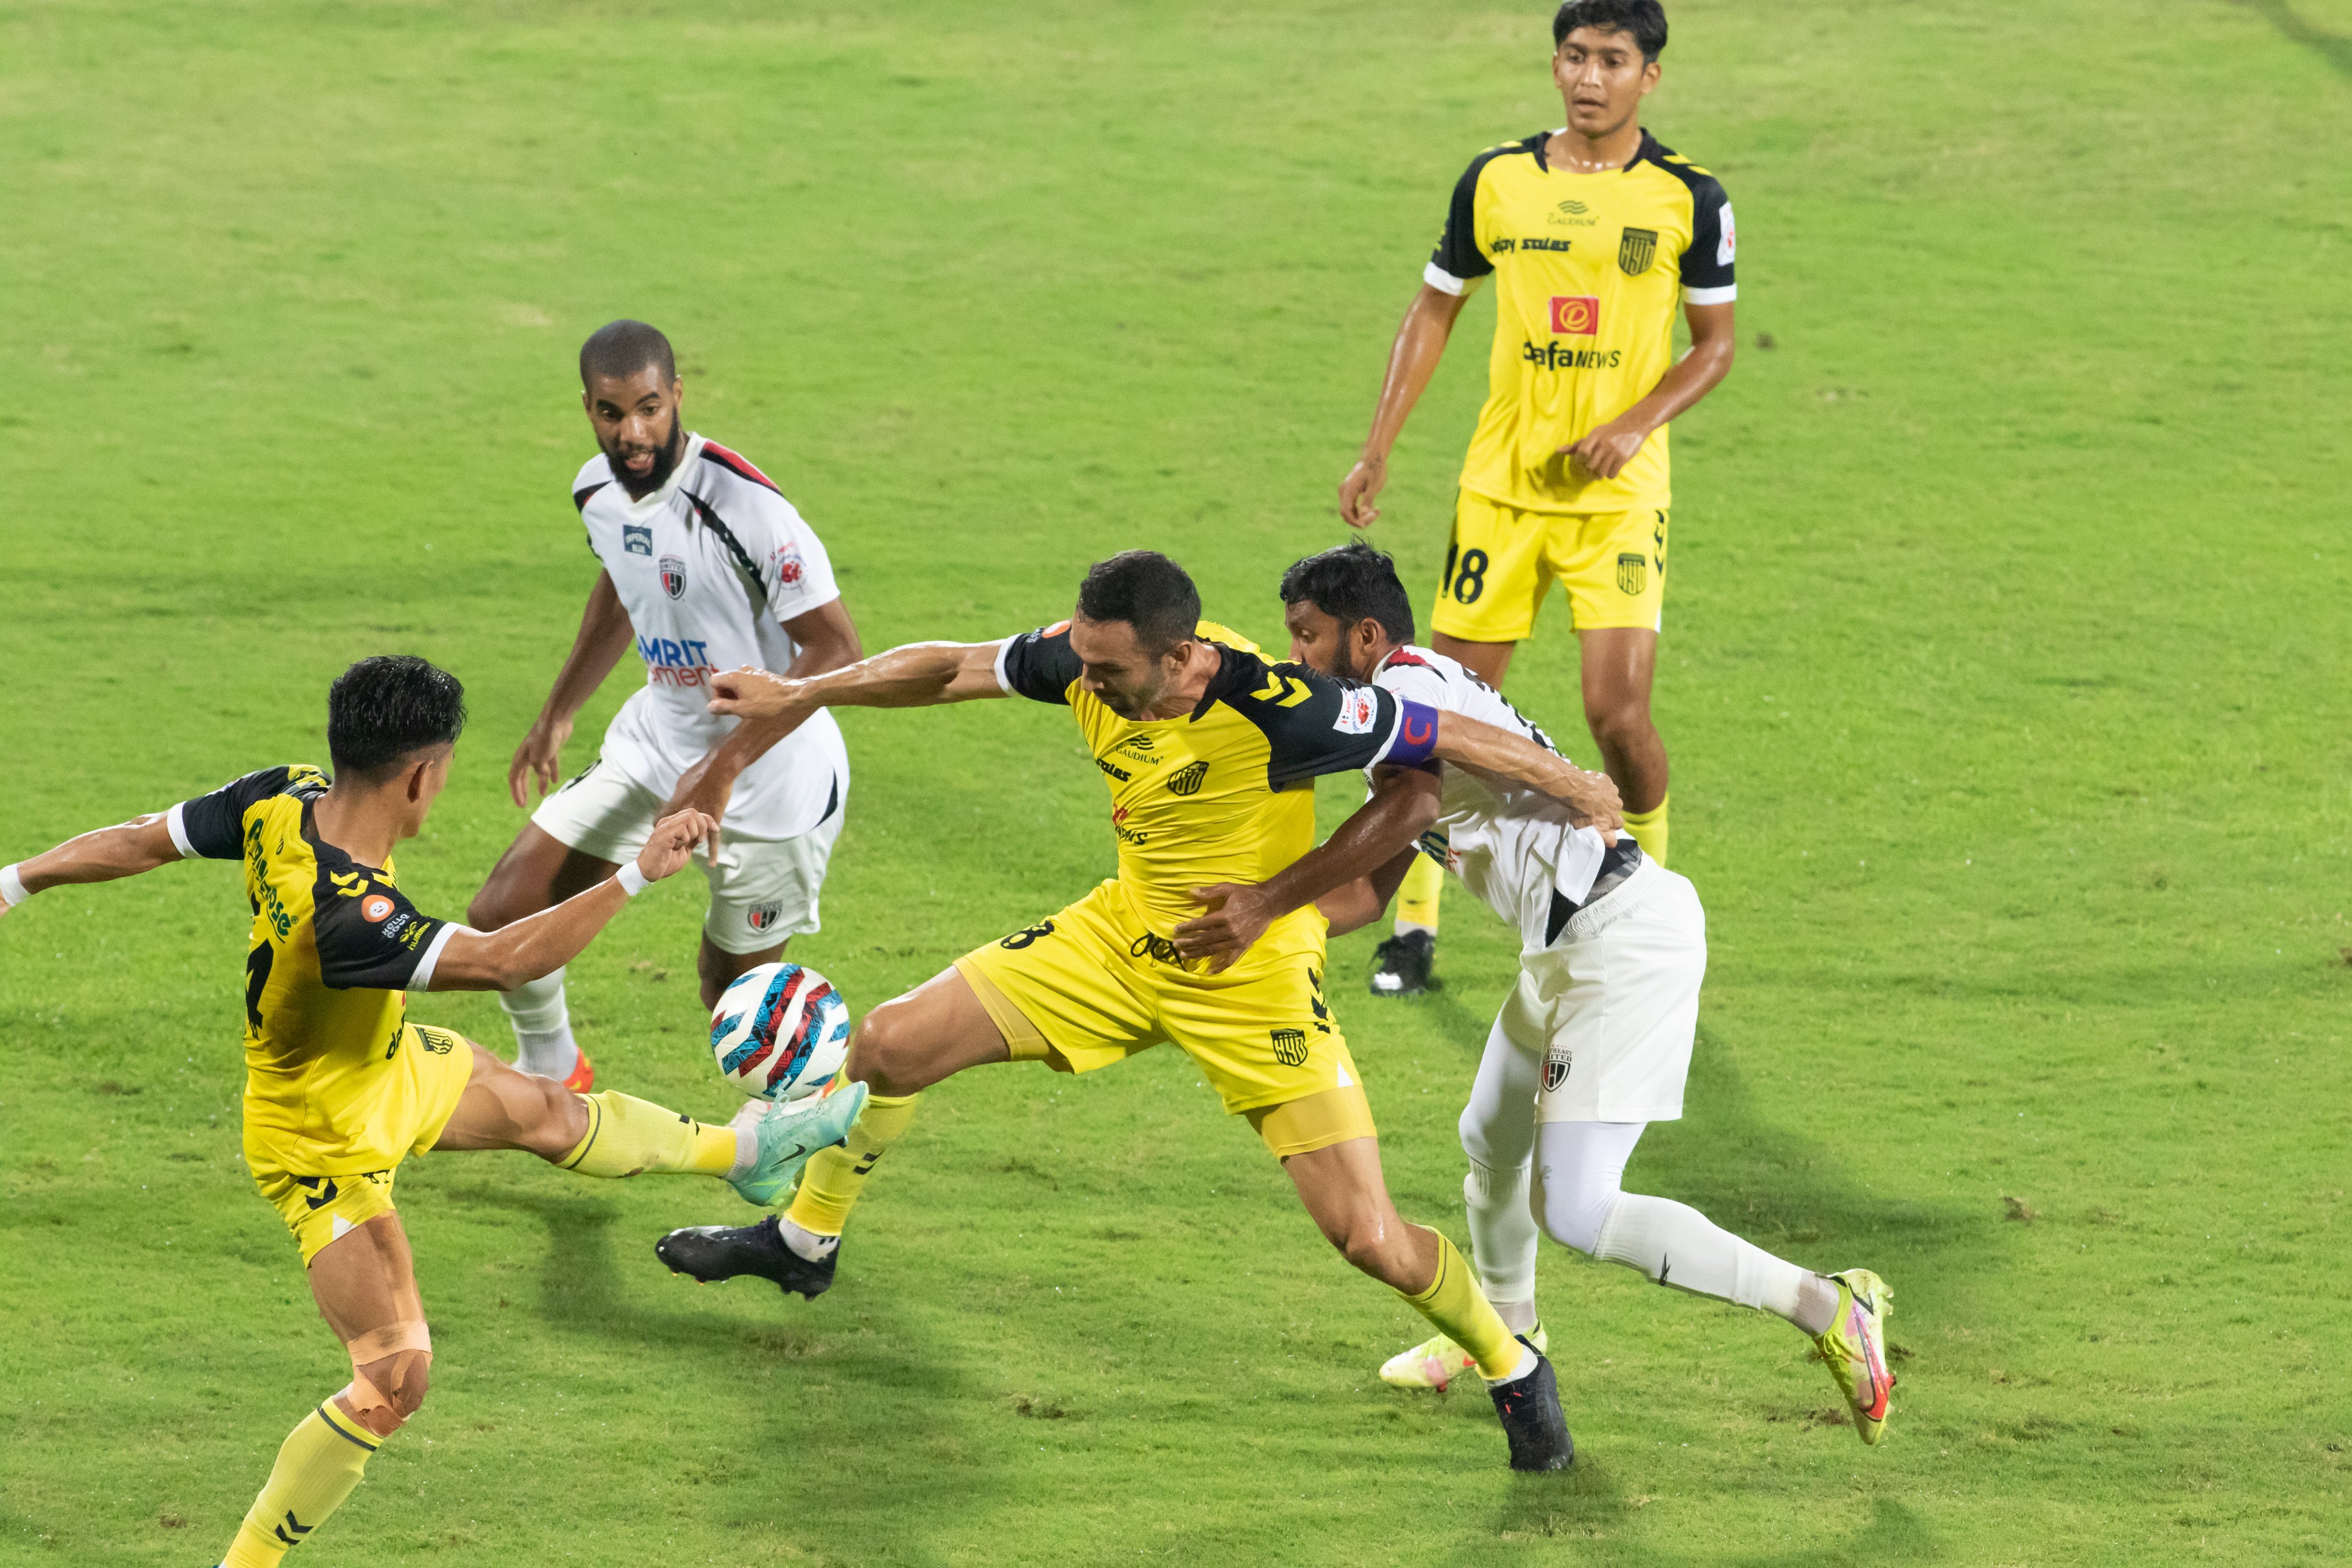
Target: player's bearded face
column 1123, row 675
column 641, row 465
column 638, row 427
column 1325, row 643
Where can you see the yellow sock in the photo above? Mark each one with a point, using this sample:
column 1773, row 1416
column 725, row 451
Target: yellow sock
column 1461, row 1312
column 1649, row 829
column 834, row 1178
column 628, row 1136
column 1417, row 898
column 318, row 1465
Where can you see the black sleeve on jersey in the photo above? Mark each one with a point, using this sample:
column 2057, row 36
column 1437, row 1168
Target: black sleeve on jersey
column 215, row 823
column 1040, row 667
column 1312, row 725
column 1702, row 267
column 355, row 951
column 1458, row 251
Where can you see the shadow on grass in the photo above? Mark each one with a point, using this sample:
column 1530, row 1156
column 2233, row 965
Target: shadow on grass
column 2333, row 47
column 802, row 1378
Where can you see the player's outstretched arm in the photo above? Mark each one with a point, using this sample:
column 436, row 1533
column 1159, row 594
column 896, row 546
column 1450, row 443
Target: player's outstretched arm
column 1503, row 758
column 1404, row 803
column 917, row 674
column 105, row 854
column 544, row 942
column 604, row 635
column 1412, row 358
column 825, row 639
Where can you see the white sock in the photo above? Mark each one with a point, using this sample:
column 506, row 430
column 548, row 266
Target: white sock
column 1527, row 1364
column 542, row 1026
column 1503, row 1237
column 804, row 1242
column 1410, row 927
column 1519, row 1317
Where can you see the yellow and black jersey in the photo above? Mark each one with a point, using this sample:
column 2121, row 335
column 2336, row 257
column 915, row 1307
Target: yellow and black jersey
column 1588, row 269
column 1226, row 792
column 333, row 944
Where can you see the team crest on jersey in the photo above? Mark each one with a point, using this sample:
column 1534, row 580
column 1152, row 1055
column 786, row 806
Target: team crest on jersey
column 673, row 575
column 1289, row 1046
column 636, row 539
column 1186, row 780
column 1633, row 573
column 1636, row 250
column 1575, row 315
column 1556, row 1065
column 765, row 916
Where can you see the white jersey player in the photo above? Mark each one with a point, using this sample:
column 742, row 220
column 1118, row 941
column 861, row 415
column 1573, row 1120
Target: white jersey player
column 706, row 567
column 1594, row 1042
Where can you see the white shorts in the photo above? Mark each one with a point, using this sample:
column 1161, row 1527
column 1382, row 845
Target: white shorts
column 761, row 890
column 1612, row 1005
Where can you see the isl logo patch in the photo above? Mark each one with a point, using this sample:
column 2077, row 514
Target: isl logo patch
column 1575, row 315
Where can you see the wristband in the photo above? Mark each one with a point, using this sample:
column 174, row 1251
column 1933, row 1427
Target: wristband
column 12, row 886
column 632, row 881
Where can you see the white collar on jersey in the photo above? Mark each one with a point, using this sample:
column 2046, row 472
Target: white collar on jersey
column 655, row 501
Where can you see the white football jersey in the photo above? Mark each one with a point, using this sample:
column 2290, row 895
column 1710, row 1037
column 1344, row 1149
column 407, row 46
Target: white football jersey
column 710, row 567
column 1512, row 847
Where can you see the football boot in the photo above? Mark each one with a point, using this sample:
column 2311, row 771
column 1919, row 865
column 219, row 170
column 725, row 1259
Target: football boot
column 1401, row 965
column 710, row 1252
column 1855, row 1347
column 1528, row 1407
column 790, row 1133
column 1438, row 1361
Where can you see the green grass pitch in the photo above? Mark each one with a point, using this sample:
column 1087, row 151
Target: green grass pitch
column 2006, row 680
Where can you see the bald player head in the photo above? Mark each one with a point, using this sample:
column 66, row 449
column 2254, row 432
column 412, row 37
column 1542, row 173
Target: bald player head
column 629, row 385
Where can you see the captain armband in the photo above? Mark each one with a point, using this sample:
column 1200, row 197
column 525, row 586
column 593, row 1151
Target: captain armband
column 1415, row 740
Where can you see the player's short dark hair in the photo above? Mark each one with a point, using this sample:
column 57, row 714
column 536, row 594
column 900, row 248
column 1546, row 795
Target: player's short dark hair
column 621, row 348
column 1645, row 19
column 1146, row 590
column 383, row 710
column 1349, row 584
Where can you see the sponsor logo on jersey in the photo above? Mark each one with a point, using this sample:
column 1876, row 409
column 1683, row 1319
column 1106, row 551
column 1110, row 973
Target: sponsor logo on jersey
column 1534, row 242
column 763, row 917
column 636, row 539
column 1156, row 947
column 676, row 661
column 1289, row 1045
column 673, row 567
column 1555, row 1064
column 1186, row 780
column 1138, row 749
column 789, row 567
column 1633, row 573
column 1113, row 768
column 1635, row 250
column 1575, row 315
column 1576, row 207
column 1559, row 357
column 1126, row 835
column 1358, row 709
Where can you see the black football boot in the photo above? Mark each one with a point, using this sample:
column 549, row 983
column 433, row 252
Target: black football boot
column 1401, row 966
column 1528, row 1408
column 711, row 1252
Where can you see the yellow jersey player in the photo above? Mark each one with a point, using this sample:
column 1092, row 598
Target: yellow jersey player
column 1595, row 234
column 341, row 1086
column 1210, row 752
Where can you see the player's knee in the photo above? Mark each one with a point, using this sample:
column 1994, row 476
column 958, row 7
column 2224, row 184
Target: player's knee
column 1574, row 1215
column 888, row 1052
column 1373, row 1244
column 1617, row 718
column 387, row 1391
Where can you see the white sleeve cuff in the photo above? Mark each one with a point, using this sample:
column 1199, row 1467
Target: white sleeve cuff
column 179, row 826
column 1723, row 296
column 422, row 980
column 1444, row 282
column 1003, row 681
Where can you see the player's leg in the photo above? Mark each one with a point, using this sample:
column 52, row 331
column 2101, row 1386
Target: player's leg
column 577, row 838
column 1613, row 565
column 365, row 1283
column 1498, row 1129
column 764, row 893
column 613, row 1135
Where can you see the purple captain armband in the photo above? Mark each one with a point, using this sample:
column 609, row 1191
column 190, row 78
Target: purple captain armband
column 1416, row 736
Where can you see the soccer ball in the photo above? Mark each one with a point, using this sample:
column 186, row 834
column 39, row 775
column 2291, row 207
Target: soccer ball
column 780, row 1033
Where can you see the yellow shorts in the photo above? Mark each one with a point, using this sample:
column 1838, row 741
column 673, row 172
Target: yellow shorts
column 1502, row 561
column 1084, row 989
column 320, row 1209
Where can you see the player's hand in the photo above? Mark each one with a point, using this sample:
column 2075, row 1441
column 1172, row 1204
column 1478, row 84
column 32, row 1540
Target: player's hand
column 1592, row 802
column 706, row 787
column 673, row 841
column 1365, row 481
column 1238, row 914
column 540, row 756
column 748, row 693
column 1603, row 452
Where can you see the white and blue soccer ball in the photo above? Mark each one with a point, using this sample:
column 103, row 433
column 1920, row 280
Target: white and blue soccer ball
column 780, row 1033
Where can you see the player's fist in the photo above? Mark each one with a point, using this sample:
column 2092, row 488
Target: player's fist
column 1603, row 452
column 541, row 757
column 1592, row 802
column 1238, row 914
column 673, row 841
column 1365, row 481
column 748, row 693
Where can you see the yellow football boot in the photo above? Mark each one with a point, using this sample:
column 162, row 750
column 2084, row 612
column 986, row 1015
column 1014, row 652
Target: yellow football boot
column 1436, row 1361
column 1854, row 1345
